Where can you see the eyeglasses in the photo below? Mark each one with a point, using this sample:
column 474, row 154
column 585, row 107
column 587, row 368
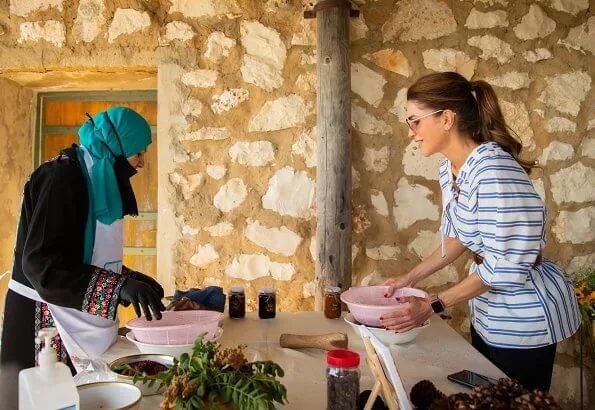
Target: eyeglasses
column 413, row 123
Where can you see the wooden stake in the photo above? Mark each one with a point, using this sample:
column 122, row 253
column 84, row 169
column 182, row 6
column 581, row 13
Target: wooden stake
column 333, row 172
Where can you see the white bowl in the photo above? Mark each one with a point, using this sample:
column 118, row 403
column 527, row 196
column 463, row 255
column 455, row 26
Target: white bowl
column 387, row 337
column 171, row 350
column 144, row 387
column 109, row 395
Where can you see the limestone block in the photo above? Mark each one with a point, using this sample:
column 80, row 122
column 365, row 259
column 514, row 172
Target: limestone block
column 517, row 118
column 492, row 47
column 231, row 195
column 568, row 6
column 566, row 92
column 490, row 19
column 534, row 24
column 538, row 54
column 391, row 60
column 449, row 59
column 290, row 193
column 205, row 255
column 127, row 21
column 206, row 133
column 575, row 227
column 399, row 107
column 539, row 188
column 582, row 37
column 89, row 20
column 367, row 83
column 355, row 178
column 51, row 31
column 248, row 267
column 229, row 99
column 442, row 277
column 284, row 112
column 306, row 83
column 252, row 153
column 309, row 289
column 367, row 123
column 187, row 184
column 588, row 148
column 560, row 124
column 282, row 271
column 278, row 240
column 581, row 262
column 412, row 204
column 216, row 171
column 556, row 151
column 379, row 202
column 492, row 2
column 24, row 8
column 373, row 278
column 376, row 160
column 514, row 80
column 189, row 231
column 200, row 78
column 574, row 184
column 220, row 229
column 312, row 248
column 414, row 163
column 307, row 58
column 265, row 55
column 305, row 147
column 177, row 30
column 204, row 8
column 383, row 253
column 425, row 243
column 192, row 107
column 418, row 19
column 218, row 46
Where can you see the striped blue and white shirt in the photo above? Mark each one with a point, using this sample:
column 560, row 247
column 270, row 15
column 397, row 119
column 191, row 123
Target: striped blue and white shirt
column 497, row 214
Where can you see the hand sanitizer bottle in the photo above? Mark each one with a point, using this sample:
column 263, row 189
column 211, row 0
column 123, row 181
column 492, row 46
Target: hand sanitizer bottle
column 50, row 385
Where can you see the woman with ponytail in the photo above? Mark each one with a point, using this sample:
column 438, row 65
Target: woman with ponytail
column 521, row 304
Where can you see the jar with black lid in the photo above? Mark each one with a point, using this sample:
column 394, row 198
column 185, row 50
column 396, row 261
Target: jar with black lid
column 267, row 303
column 237, row 303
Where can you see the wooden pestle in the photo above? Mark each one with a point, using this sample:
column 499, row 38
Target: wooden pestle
column 327, row 341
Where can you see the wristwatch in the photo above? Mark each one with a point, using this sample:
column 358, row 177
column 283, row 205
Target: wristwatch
column 437, row 305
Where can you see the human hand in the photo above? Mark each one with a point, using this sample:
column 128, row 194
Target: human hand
column 397, row 282
column 141, row 295
column 411, row 312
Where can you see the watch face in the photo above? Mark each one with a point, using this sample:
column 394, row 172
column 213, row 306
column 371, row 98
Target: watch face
column 437, row 306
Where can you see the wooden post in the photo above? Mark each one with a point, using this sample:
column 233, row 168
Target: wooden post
column 333, row 172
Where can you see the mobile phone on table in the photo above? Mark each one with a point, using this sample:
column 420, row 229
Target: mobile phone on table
column 471, row 379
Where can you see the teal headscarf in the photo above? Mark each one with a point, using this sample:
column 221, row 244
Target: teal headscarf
column 134, row 133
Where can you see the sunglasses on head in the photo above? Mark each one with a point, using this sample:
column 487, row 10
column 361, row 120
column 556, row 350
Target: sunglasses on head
column 413, row 122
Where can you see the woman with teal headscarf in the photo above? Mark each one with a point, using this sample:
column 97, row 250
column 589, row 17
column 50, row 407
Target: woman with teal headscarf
column 68, row 270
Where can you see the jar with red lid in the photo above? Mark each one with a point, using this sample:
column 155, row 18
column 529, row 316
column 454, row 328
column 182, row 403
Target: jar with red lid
column 342, row 379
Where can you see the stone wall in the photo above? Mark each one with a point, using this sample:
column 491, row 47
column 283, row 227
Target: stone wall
column 17, row 116
column 237, row 136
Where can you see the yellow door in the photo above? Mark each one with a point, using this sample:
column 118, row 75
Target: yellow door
column 62, row 115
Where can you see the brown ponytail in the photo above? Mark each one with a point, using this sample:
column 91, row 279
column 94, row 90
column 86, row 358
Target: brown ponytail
column 476, row 105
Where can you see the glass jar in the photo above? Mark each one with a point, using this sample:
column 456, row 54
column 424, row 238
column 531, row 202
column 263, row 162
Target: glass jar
column 267, row 303
column 332, row 302
column 237, row 303
column 342, row 380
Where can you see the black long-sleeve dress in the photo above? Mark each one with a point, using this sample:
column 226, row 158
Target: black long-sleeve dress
column 48, row 257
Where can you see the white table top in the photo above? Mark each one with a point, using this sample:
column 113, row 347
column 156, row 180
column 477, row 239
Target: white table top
column 437, row 352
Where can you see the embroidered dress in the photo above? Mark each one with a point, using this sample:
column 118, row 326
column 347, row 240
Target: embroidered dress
column 493, row 209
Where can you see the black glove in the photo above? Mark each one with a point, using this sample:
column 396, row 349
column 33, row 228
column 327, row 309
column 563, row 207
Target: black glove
column 141, row 294
column 149, row 281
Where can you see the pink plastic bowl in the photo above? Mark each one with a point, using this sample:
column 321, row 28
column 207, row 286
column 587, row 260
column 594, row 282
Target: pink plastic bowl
column 367, row 304
column 176, row 328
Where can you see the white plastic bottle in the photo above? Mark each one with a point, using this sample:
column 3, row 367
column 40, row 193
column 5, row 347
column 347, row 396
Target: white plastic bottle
column 50, row 385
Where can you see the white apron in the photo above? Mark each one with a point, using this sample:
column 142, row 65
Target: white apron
column 86, row 336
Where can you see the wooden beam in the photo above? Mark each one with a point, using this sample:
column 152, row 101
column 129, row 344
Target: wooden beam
column 333, row 172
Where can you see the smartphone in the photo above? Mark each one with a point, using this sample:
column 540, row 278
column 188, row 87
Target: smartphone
column 471, row 379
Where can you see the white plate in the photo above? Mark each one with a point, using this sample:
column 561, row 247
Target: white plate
column 172, row 350
column 144, row 387
column 387, row 337
column 109, row 395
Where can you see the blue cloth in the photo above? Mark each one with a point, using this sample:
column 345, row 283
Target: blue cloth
column 134, row 134
column 212, row 297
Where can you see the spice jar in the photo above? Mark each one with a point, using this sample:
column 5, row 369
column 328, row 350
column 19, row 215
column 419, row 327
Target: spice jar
column 267, row 303
column 237, row 303
column 342, row 380
column 332, row 302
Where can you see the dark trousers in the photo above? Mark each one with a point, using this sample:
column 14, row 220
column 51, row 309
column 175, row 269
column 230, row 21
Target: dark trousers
column 530, row 367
